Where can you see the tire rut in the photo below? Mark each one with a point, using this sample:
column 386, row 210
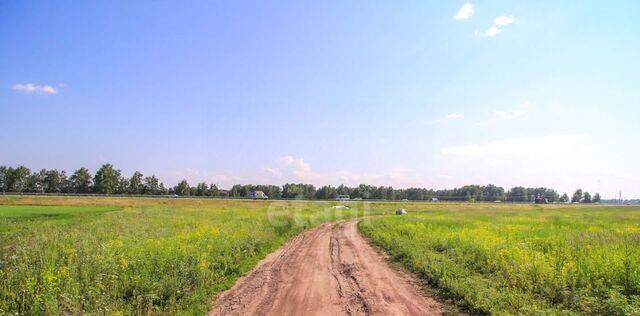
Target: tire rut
column 345, row 275
column 327, row 270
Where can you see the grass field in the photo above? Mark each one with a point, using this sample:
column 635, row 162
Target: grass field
column 135, row 256
column 116, row 256
column 521, row 259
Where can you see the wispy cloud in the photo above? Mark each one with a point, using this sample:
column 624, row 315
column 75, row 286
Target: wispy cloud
column 448, row 117
column 490, row 32
column 465, row 12
column 30, row 88
column 274, row 172
column 562, row 161
column 503, row 20
column 295, row 169
column 290, row 168
column 498, row 24
column 507, row 115
column 517, row 112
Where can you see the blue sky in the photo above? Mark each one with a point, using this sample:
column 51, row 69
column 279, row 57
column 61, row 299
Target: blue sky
column 405, row 93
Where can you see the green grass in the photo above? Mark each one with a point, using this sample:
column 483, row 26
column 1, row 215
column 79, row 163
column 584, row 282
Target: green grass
column 521, row 259
column 135, row 256
column 119, row 256
column 8, row 212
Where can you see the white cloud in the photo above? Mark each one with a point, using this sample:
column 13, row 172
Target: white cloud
column 448, row 117
column 220, row 178
column 298, row 166
column 561, row 161
column 293, row 169
column 490, row 32
column 503, row 20
column 465, row 12
column 507, row 115
column 30, row 88
column 498, row 24
column 290, row 168
column 194, row 176
column 274, row 172
column 517, row 112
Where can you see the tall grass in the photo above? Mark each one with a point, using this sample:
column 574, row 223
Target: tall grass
column 523, row 259
column 144, row 256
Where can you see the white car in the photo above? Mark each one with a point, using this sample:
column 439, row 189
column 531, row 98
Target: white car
column 342, row 198
column 258, row 195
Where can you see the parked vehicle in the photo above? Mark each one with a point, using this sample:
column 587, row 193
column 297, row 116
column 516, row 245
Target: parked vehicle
column 342, row 198
column 541, row 200
column 258, row 195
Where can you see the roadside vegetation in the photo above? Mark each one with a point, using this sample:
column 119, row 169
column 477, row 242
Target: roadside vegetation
column 521, row 259
column 136, row 256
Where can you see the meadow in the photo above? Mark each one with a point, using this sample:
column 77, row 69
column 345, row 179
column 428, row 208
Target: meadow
column 150, row 256
column 137, row 256
column 520, row 259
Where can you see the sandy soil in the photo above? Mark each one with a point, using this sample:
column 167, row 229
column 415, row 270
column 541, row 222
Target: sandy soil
column 328, row 270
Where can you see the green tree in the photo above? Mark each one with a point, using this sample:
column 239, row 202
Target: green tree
column 54, row 180
column 202, row 189
column 35, row 182
column 135, row 184
column 151, row 186
column 552, row 195
column 298, row 191
column 326, row 192
column 107, row 179
column 518, row 194
column 3, row 177
column 388, row 193
column 163, row 190
column 80, row 181
column 587, row 197
column 564, row 198
column 123, row 186
column 182, row 188
column 213, row 190
column 236, row 191
column 597, row 198
column 17, row 179
column 577, row 196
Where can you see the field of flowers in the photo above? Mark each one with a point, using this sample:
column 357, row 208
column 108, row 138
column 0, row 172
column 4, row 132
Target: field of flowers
column 521, row 259
column 119, row 256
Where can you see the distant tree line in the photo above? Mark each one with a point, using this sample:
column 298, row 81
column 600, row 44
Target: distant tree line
column 583, row 197
column 109, row 180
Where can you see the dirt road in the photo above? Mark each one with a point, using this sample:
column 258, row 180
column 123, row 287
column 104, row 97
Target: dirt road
column 328, row 270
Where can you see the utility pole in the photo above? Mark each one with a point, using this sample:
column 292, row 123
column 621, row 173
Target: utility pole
column 620, row 197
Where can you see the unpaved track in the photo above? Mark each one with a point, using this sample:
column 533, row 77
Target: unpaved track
column 328, row 270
